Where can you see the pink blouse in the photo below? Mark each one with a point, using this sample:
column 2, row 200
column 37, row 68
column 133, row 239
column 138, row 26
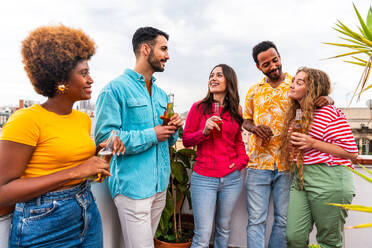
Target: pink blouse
column 214, row 155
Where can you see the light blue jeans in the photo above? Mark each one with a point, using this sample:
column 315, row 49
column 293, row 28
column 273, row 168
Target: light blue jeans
column 260, row 184
column 214, row 197
column 67, row 218
column 4, row 230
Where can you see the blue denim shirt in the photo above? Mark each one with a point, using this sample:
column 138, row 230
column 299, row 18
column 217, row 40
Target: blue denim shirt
column 126, row 106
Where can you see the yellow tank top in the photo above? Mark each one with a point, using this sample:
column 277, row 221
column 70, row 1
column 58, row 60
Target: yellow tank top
column 60, row 141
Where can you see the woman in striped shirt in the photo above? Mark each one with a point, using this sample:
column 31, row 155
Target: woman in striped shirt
column 318, row 154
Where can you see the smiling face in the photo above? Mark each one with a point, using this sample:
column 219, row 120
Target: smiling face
column 79, row 85
column 159, row 54
column 217, row 81
column 298, row 87
column 270, row 64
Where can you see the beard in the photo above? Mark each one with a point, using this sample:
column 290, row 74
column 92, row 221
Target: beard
column 274, row 77
column 155, row 63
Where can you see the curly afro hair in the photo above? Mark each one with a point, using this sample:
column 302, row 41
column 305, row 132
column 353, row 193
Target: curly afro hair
column 50, row 53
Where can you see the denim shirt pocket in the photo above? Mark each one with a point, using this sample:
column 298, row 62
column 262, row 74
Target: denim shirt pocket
column 138, row 110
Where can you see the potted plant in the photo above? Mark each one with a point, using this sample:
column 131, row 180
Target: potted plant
column 174, row 229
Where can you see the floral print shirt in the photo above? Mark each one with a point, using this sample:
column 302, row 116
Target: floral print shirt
column 267, row 106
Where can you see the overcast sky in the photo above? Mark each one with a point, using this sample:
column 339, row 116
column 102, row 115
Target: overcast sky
column 202, row 34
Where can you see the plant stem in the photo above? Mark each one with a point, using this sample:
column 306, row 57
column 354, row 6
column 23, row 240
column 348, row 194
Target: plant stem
column 179, row 223
column 174, row 213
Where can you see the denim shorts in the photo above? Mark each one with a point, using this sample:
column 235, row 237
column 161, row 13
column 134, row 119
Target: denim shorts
column 67, row 218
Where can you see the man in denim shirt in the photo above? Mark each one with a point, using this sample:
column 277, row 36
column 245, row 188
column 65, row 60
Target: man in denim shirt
column 132, row 104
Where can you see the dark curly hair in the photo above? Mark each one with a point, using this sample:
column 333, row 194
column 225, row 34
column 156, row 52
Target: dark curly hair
column 50, row 53
column 146, row 35
column 262, row 47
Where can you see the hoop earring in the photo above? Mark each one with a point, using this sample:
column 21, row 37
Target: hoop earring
column 62, row 88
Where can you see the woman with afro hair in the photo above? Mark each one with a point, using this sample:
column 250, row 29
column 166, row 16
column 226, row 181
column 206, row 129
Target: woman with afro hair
column 46, row 150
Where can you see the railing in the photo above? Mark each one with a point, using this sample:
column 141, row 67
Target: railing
column 3, row 118
column 352, row 238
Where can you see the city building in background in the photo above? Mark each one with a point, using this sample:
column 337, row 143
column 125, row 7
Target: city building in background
column 6, row 111
column 360, row 121
column 86, row 107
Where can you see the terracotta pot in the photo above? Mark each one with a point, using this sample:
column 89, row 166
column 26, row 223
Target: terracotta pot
column 187, row 223
column 162, row 244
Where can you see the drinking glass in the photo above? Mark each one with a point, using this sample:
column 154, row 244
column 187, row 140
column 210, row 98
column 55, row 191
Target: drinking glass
column 217, row 112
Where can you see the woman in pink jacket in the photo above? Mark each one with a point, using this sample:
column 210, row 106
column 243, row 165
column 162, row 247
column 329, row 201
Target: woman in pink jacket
column 216, row 182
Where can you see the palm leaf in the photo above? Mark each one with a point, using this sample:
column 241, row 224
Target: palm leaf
column 359, row 226
column 347, row 45
column 347, row 31
column 350, row 32
column 355, row 63
column 361, row 60
column 363, row 79
column 369, row 19
column 354, row 41
column 368, row 42
column 356, row 38
column 368, row 87
column 368, row 171
column 360, row 174
column 359, row 43
column 362, row 31
column 366, row 74
column 362, row 23
column 353, row 207
column 349, row 53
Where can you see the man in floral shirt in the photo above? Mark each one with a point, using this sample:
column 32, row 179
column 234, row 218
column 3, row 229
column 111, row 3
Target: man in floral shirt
column 265, row 106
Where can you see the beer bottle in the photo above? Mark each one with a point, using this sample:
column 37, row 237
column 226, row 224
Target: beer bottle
column 297, row 125
column 298, row 128
column 169, row 112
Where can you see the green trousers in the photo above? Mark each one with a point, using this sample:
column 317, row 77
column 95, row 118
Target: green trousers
column 322, row 184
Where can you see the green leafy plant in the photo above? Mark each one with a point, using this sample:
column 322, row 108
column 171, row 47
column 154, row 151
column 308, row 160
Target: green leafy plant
column 358, row 43
column 358, row 207
column 170, row 227
column 314, row 246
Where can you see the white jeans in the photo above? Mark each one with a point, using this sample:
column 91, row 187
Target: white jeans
column 139, row 219
column 5, row 222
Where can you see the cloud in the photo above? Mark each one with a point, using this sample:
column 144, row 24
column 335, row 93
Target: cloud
column 202, row 34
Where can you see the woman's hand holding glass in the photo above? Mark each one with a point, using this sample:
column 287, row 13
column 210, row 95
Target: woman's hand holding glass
column 210, row 124
column 113, row 145
column 91, row 167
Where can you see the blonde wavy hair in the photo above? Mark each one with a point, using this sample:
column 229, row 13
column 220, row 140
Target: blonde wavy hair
column 317, row 84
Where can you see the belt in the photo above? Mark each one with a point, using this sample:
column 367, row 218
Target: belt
column 6, row 210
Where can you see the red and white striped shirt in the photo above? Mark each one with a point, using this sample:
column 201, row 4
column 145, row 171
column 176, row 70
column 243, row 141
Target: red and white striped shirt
column 330, row 125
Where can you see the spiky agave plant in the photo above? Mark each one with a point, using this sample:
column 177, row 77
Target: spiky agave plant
column 360, row 43
column 358, row 207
